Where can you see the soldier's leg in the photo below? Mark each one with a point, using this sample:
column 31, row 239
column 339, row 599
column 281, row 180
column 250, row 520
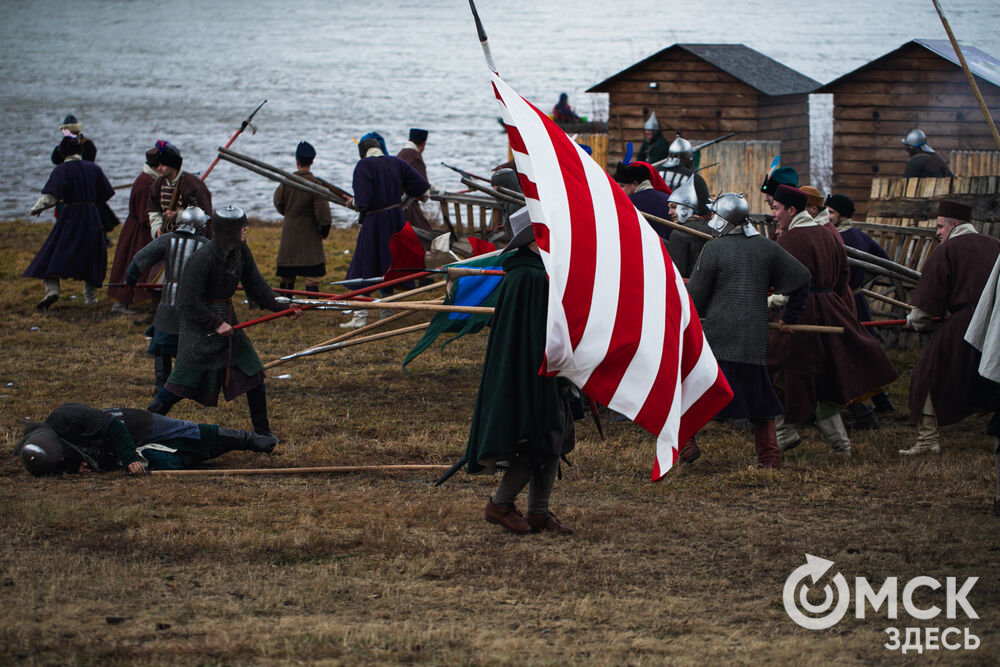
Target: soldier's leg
column 51, row 294
column 257, row 403
column 765, row 441
column 90, row 294
column 312, row 284
column 928, row 433
column 785, row 434
column 163, row 401
column 830, row 424
column 500, row 508
column 162, row 365
column 539, row 491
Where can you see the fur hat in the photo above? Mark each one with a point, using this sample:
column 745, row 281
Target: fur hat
column 170, row 155
column 153, row 157
column 791, row 196
column 417, row 135
column 842, row 204
column 813, row 196
column 954, row 210
column 305, row 153
column 71, row 124
column 630, row 173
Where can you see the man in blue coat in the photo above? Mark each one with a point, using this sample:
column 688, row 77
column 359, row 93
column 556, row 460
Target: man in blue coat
column 380, row 181
column 75, row 247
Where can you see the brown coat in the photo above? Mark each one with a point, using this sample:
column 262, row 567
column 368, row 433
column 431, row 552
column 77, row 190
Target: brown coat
column 952, row 281
column 414, row 214
column 825, row 367
column 306, row 216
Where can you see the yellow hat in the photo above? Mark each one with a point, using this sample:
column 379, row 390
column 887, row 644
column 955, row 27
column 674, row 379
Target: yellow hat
column 813, row 196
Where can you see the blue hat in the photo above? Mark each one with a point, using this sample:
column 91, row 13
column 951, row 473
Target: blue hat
column 305, row 153
column 372, row 138
column 417, row 135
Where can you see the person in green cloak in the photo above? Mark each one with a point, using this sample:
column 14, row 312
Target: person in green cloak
column 523, row 422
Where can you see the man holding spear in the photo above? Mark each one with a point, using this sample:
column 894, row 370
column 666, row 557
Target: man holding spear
column 211, row 356
column 175, row 189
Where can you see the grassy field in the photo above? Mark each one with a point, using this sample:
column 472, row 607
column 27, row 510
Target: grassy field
column 382, row 568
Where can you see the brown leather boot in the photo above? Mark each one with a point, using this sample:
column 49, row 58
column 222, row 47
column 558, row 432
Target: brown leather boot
column 546, row 522
column 507, row 516
column 765, row 443
column 689, row 451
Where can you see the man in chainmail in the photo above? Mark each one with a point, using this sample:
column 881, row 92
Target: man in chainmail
column 211, row 355
column 174, row 249
column 729, row 288
column 79, row 438
column 685, row 248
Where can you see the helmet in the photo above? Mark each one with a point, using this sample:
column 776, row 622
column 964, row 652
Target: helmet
column 652, row 123
column 228, row 215
column 686, row 198
column 916, row 138
column 193, row 218
column 41, row 450
column 680, row 151
column 731, row 210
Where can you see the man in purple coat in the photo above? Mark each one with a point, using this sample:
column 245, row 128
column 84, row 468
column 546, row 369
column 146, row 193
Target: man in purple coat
column 646, row 189
column 380, row 181
column 75, row 246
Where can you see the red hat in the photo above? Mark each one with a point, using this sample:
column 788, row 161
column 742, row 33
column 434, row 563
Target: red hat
column 954, row 210
column 790, row 196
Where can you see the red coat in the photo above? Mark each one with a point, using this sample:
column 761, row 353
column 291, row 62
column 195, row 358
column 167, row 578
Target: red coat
column 836, row 368
column 952, row 281
column 135, row 235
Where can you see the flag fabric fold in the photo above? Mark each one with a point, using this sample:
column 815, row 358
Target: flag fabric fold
column 620, row 324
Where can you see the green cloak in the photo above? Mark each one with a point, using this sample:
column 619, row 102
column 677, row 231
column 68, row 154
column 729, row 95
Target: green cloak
column 517, row 410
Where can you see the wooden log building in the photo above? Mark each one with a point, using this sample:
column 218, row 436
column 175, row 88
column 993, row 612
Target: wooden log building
column 920, row 84
column 706, row 90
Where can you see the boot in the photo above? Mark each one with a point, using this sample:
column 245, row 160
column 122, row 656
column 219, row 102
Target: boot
column 162, row 365
column 286, row 284
column 257, row 402
column 359, row 320
column 158, row 406
column 51, row 294
column 882, row 403
column 90, row 294
column 834, row 432
column 786, row 435
column 863, row 416
column 507, row 516
column 689, row 452
column 312, row 287
column 765, row 443
column 249, row 441
column 928, row 437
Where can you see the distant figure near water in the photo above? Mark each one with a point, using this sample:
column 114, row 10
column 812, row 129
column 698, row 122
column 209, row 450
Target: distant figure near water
column 562, row 112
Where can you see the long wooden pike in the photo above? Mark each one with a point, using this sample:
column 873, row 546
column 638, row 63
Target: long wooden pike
column 808, row 328
column 905, row 271
column 887, row 299
column 968, row 74
column 677, row 226
column 243, row 126
column 295, row 471
column 356, row 341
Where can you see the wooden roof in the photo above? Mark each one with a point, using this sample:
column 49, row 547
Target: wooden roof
column 982, row 65
column 753, row 68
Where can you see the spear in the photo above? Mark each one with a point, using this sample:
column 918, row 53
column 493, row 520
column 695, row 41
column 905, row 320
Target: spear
column 887, row 299
column 243, row 126
column 319, row 304
column 906, row 272
column 355, row 341
column 348, row 295
column 292, row 471
column 466, row 174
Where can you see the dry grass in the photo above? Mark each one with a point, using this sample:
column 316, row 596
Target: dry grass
column 383, row 568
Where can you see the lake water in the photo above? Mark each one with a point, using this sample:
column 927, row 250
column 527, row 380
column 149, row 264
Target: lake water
column 189, row 71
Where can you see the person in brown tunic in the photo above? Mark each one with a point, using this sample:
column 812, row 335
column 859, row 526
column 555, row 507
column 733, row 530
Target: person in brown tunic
column 307, row 222
column 412, row 154
column 818, row 373
column 952, row 281
column 173, row 191
column 135, row 236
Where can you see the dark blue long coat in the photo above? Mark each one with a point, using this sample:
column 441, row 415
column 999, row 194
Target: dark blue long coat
column 380, row 182
column 858, row 239
column 75, row 247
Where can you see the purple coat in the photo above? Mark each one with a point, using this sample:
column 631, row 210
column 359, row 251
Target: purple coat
column 379, row 183
column 655, row 203
column 75, row 247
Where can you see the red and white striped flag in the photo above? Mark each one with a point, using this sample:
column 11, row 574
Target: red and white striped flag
column 620, row 324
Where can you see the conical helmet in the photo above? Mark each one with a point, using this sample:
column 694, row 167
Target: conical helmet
column 686, row 198
column 652, row 123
